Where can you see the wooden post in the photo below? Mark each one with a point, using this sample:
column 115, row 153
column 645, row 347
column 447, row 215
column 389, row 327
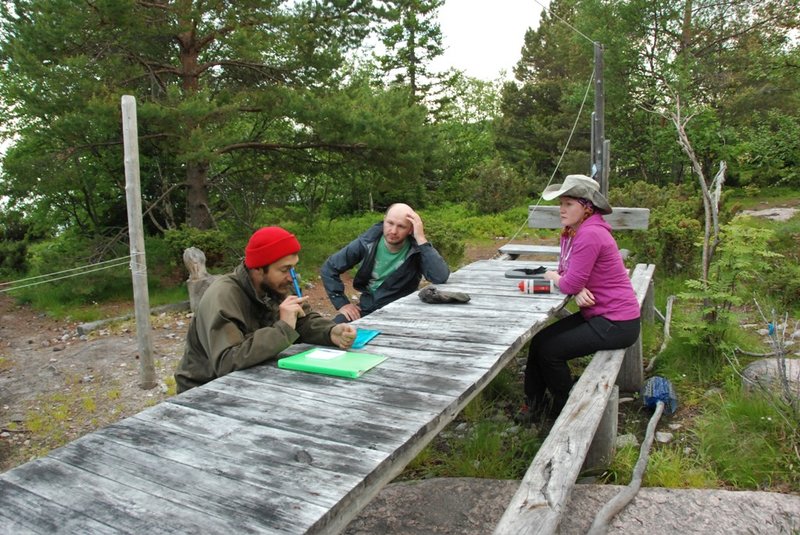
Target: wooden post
column 141, row 299
column 603, row 444
column 599, row 164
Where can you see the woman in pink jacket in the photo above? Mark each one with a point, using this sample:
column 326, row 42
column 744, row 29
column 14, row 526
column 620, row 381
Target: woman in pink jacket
column 590, row 269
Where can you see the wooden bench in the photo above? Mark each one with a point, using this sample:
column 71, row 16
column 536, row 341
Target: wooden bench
column 583, row 434
column 548, row 217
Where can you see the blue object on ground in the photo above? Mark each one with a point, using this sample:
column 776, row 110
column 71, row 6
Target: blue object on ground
column 657, row 389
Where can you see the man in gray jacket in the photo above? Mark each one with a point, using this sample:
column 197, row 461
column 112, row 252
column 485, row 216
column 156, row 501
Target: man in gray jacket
column 249, row 316
column 394, row 257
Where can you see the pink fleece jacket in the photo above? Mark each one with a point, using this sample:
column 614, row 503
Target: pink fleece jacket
column 591, row 260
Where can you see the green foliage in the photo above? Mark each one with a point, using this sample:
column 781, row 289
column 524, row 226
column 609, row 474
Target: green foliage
column 780, row 283
column 474, row 226
column 769, row 154
column 12, row 257
column 447, row 239
column 671, row 239
column 16, row 232
column 755, row 428
column 668, row 466
column 742, row 256
column 495, row 187
column 214, row 244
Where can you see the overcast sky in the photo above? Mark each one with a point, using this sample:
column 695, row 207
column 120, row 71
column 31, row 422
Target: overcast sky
column 483, row 37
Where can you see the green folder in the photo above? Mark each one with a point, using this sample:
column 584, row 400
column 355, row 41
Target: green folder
column 331, row 361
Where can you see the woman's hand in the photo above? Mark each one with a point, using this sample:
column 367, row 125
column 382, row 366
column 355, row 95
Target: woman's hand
column 584, row 298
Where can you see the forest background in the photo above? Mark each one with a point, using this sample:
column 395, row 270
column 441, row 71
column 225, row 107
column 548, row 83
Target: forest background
column 270, row 112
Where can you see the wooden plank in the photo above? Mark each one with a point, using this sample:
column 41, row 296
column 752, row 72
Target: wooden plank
column 23, row 512
column 544, row 492
column 631, row 374
column 516, row 249
column 253, row 444
column 276, row 496
column 601, row 450
column 620, row 219
column 358, row 428
column 110, row 502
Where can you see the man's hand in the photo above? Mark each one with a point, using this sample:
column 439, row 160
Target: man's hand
column 584, row 298
column 343, row 335
column 350, row 311
column 417, row 227
column 292, row 308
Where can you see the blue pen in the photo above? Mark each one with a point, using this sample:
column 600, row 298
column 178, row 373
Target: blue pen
column 294, row 281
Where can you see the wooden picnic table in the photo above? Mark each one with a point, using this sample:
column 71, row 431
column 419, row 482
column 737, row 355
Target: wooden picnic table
column 267, row 450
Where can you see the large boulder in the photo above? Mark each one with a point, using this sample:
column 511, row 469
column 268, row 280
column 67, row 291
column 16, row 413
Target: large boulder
column 769, row 375
column 468, row 506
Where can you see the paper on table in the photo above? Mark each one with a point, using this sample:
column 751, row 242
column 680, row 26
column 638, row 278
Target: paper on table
column 322, row 353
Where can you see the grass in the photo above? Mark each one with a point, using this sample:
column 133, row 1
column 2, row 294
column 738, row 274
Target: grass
column 482, row 441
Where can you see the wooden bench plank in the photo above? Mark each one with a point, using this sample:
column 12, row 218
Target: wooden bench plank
column 620, row 219
column 544, row 492
column 515, row 249
column 548, row 217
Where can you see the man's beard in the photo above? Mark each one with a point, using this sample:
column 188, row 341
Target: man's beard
column 272, row 294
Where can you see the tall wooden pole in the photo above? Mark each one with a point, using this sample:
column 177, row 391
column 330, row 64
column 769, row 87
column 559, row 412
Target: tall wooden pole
column 599, row 147
column 141, row 299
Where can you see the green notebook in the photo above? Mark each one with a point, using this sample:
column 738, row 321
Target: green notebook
column 331, row 361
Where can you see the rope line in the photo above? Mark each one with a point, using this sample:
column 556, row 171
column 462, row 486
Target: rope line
column 65, row 271
column 570, row 26
column 563, row 152
column 120, row 262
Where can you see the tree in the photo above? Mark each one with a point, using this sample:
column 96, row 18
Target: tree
column 539, row 107
column 219, row 85
column 412, row 39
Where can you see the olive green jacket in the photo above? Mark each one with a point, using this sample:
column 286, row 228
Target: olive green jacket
column 232, row 329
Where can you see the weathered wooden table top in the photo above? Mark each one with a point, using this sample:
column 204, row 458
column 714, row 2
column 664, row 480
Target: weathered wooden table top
column 267, row 450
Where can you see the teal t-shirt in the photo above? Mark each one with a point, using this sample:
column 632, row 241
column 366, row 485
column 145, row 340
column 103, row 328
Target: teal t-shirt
column 386, row 263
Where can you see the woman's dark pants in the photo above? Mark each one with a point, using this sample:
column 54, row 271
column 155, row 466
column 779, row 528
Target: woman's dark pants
column 566, row 339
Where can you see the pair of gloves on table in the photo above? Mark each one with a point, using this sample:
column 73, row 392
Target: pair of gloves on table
column 432, row 295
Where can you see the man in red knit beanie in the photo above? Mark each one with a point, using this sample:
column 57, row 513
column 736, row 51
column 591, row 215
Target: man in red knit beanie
column 249, row 316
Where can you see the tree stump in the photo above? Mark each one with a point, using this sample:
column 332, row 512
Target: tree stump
column 199, row 279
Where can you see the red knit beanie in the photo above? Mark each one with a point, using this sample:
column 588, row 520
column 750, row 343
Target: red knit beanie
column 269, row 244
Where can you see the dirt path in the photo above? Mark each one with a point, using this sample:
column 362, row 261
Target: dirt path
column 56, row 385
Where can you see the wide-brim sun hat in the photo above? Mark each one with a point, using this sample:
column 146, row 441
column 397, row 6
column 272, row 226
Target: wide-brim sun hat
column 579, row 186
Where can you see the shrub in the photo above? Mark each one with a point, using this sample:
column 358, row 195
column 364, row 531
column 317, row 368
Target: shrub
column 670, row 241
column 448, row 241
column 214, row 244
column 495, row 187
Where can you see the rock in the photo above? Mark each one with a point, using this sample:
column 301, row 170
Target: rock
column 765, row 374
column 472, row 506
column 663, row 437
column 626, row 440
